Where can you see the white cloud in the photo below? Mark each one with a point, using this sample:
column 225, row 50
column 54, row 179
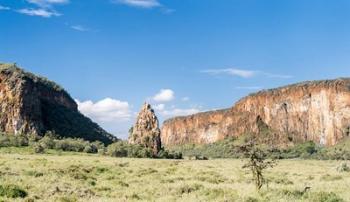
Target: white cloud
column 173, row 111
column 245, row 73
column 4, row 7
column 47, row 3
column 139, row 3
column 79, row 28
column 105, row 111
column 159, row 107
column 165, row 95
column 38, row 12
column 44, row 8
column 179, row 112
column 233, row 72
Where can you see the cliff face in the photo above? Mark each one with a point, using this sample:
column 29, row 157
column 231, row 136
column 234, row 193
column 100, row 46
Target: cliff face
column 33, row 105
column 317, row 111
column 199, row 128
column 146, row 130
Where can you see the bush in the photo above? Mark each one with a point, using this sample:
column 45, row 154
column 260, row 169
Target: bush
column 39, row 149
column 90, row 149
column 118, row 149
column 48, row 141
column 69, row 144
column 343, row 168
column 123, row 149
column 165, row 154
column 229, row 148
column 138, row 151
column 10, row 140
column 101, row 151
column 221, row 149
column 197, row 157
column 12, row 191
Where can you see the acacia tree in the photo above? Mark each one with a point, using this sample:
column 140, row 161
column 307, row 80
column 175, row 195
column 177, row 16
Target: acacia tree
column 257, row 162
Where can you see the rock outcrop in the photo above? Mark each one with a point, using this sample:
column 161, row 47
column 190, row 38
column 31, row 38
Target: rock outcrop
column 31, row 104
column 318, row 111
column 146, row 130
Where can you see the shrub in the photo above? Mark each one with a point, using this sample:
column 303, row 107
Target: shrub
column 90, row 149
column 69, row 144
column 118, row 149
column 48, row 141
column 20, row 140
column 101, row 151
column 138, row 151
column 38, row 148
column 4, row 141
column 198, row 157
column 343, row 168
column 12, row 191
column 123, row 149
column 98, row 145
column 165, row 154
column 303, row 150
column 10, row 140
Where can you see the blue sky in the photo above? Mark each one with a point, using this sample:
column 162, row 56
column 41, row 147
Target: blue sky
column 183, row 56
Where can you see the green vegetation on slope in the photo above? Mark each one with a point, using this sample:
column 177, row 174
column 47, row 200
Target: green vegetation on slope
column 71, row 123
column 14, row 69
column 51, row 142
column 230, row 148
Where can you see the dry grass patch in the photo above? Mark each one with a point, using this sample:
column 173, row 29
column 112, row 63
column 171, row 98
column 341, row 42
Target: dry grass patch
column 72, row 177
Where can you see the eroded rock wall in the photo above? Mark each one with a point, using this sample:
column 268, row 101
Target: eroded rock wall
column 317, row 111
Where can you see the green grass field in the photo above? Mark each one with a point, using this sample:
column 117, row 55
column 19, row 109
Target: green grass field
column 81, row 177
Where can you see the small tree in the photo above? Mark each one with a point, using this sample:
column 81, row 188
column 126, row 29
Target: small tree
column 257, row 162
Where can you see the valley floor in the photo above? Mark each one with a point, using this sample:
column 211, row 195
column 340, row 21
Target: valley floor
column 82, row 177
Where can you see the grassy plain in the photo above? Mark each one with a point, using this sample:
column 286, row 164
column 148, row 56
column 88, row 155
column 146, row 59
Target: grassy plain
column 62, row 176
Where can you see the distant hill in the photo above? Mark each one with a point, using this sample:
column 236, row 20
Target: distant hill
column 30, row 104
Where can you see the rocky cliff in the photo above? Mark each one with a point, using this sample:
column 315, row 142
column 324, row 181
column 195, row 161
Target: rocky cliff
column 30, row 104
column 318, row 111
column 146, row 130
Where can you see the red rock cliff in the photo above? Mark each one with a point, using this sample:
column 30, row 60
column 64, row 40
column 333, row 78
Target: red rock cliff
column 317, row 111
